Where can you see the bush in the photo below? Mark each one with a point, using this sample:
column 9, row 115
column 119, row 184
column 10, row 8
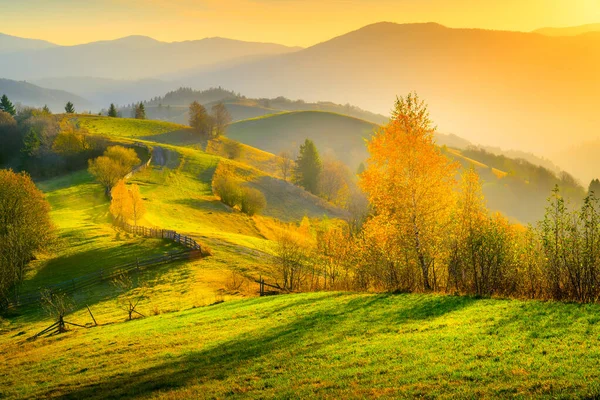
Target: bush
column 225, row 186
column 252, row 201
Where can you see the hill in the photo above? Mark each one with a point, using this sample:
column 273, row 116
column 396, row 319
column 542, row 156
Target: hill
column 35, row 96
column 337, row 135
column 133, row 57
column 569, row 31
column 496, row 88
column 173, row 106
column 327, row 345
column 11, row 44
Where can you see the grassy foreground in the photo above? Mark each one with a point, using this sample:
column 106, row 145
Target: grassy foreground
column 328, row 345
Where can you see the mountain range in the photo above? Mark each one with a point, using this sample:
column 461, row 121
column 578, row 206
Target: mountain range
column 531, row 91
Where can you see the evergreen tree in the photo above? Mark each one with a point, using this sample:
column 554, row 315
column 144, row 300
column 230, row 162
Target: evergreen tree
column 308, row 167
column 361, row 169
column 7, row 106
column 46, row 110
column 112, row 111
column 140, row 111
column 595, row 187
column 69, row 108
column 31, row 142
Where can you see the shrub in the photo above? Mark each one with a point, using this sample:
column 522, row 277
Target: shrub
column 225, row 186
column 252, row 201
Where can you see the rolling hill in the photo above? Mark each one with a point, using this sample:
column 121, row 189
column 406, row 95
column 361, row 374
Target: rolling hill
column 496, row 88
column 569, row 31
column 337, row 135
column 35, row 96
column 133, row 57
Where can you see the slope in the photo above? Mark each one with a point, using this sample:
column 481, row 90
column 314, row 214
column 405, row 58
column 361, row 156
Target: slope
column 11, row 44
column 133, row 57
column 35, row 96
column 335, row 135
column 319, row 345
column 495, row 88
column 569, row 31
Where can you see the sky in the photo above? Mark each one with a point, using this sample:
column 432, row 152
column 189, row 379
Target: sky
column 289, row 22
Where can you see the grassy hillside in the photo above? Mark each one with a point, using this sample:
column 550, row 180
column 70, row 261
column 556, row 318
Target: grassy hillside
column 334, row 134
column 177, row 194
column 328, row 345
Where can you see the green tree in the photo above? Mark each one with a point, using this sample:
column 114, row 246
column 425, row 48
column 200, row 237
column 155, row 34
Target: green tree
column 140, row 111
column 46, row 110
column 308, row 167
column 69, row 108
column 112, row 111
column 7, row 106
column 31, row 142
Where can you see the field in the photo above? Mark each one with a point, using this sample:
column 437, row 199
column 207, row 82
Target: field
column 207, row 335
column 331, row 345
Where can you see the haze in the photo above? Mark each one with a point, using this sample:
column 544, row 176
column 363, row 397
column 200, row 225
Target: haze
column 289, row 22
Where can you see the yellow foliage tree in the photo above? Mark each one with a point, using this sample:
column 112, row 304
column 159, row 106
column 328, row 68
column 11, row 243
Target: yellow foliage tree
column 137, row 204
column 410, row 184
column 121, row 206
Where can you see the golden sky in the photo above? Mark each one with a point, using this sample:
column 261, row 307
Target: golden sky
column 291, row 22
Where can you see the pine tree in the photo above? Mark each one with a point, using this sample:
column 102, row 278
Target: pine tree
column 7, row 106
column 308, row 167
column 112, row 111
column 46, row 110
column 69, row 108
column 140, row 111
column 31, row 142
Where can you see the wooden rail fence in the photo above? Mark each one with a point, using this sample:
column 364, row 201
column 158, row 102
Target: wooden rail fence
column 95, row 278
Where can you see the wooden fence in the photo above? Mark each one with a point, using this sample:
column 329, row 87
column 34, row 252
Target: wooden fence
column 95, row 278
column 163, row 234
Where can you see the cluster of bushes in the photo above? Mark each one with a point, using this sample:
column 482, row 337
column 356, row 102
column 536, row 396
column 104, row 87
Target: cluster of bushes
column 250, row 201
column 43, row 144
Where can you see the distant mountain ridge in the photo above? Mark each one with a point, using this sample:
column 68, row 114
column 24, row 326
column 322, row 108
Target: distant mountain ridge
column 132, row 57
column 569, row 31
column 28, row 94
column 11, row 44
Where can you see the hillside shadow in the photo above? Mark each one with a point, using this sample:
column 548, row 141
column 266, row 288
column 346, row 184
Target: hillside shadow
column 331, row 323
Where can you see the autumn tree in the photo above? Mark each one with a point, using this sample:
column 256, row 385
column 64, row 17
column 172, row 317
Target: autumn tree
column 410, row 184
column 285, row 164
column 72, row 139
column 121, row 206
column 25, row 228
column 221, row 118
column 111, row 167
column 7, row 106
column 308, row 167
column 199, row 119
column 225, row 186
column 335, row 182
column 69, row 108
column 251, row 200
column 112, row 111
column 138, row 209
column 594, row 187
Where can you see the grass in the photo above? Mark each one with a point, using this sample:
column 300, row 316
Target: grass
column 334, row 134
column 127, row 127
column 327, row 345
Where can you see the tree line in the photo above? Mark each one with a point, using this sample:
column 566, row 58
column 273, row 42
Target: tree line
column 425, row 230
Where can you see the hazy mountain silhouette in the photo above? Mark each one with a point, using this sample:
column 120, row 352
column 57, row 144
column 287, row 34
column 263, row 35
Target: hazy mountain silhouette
column 11, row 44
column 569, row 31
column 31, row 95
column 133, row 57
column 496, row 88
